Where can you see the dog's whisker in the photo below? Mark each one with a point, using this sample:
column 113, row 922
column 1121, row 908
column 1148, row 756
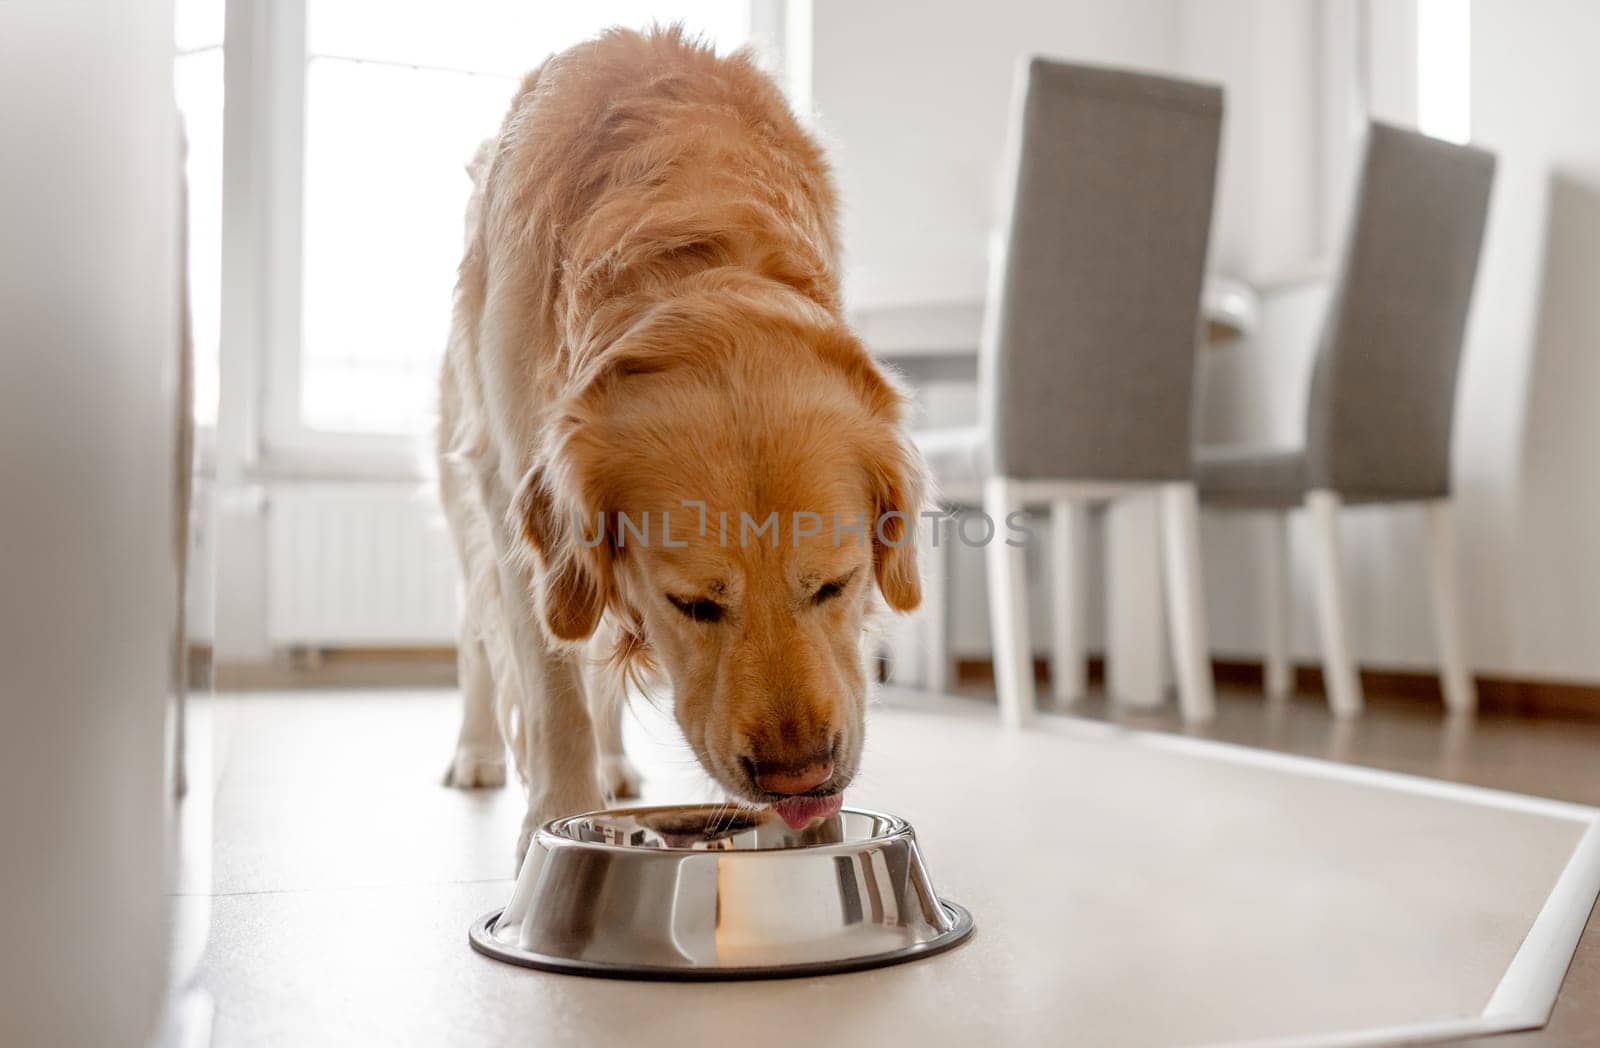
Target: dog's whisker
column 714, row 826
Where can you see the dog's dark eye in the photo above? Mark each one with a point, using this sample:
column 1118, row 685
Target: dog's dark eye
column 829, row 590
column 700, row 610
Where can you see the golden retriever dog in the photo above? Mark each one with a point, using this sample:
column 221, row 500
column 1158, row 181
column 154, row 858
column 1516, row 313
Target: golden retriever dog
column 660, row 444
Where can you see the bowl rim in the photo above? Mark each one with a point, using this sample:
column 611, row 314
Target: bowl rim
column 480, row 935
column 899, row 828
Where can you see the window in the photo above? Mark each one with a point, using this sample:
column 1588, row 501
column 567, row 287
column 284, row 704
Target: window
column 397, row 97
column 197, row 77
column 1444, row 69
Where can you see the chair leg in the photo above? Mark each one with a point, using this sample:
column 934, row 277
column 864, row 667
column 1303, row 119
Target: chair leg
column 1460, row 693
column 1069, row 678
column 1186, row 606
column 1133, row 601
column 1276, row 608
column 936, row 608
column 1008, row 608
column 1338, row 664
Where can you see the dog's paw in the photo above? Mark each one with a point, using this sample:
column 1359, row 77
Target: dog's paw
column 474, row 768
column 619, row 778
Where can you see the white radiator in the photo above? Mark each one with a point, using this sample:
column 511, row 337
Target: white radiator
column 359, row 565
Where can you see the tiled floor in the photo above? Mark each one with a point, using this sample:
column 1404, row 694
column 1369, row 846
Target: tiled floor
column 1545, row 757
column 341, row 875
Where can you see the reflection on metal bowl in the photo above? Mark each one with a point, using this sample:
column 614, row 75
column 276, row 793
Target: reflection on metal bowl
column 705, row 892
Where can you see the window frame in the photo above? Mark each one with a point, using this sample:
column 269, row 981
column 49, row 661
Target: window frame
column 205, row 432
column 261, row 434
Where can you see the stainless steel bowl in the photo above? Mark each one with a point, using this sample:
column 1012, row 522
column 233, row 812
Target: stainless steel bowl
column 704, row 892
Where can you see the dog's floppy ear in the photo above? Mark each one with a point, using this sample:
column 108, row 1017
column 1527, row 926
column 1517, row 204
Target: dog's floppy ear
column 558, row 508
column 898, row 479
column 895, row 470
column 575, row 584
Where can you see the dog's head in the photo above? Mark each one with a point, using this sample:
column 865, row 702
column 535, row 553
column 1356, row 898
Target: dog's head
column 737, row 486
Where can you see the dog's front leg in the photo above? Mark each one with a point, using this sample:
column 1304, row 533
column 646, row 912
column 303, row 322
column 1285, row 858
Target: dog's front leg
column 552, row 738
column 560, row 738
column 552, row 735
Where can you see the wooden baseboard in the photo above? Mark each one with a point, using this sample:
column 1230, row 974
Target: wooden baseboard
column 1531, row 698
column 436, row 667
column 429, row 667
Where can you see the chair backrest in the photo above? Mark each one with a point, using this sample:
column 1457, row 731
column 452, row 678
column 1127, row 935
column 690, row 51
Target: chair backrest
column 1092, row 320
column 1383, row 389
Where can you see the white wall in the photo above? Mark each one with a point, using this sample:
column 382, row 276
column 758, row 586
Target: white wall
column 912, row 98
column 1390, row 33
column 1272, row 176
column 88, row 579
column 1529, row 459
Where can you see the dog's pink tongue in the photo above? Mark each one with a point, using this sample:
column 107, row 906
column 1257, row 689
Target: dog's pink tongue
column 799, row 812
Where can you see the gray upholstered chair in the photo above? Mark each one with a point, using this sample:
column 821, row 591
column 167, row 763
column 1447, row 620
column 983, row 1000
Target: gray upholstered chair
column 1382, row 396
column 1087, row 360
